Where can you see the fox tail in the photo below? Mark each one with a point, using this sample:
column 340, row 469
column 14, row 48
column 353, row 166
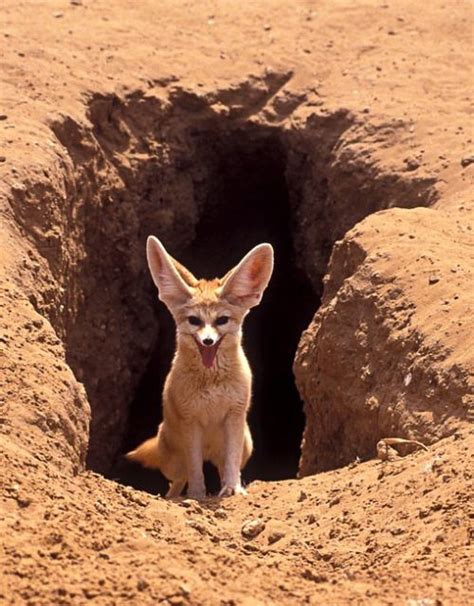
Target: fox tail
column 146, row 454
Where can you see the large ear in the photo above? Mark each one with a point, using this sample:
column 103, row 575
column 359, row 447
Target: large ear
column 184, row 273
column 172, row 289
column 244, row 285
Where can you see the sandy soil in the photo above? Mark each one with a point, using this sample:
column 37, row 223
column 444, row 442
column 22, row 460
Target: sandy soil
column 378, row 533
column 368, row 533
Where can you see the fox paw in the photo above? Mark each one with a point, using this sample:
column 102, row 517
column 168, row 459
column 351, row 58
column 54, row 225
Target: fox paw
column 196, row 494
column 228, row 490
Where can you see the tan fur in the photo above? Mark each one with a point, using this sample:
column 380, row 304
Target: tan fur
column 205, row 409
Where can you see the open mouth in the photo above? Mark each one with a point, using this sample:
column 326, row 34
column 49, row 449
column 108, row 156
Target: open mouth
column 208, row 353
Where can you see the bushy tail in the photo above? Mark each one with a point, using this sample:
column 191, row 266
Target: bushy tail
column 146, row 454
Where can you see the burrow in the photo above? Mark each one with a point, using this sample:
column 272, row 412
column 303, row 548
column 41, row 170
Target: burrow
column 211, row 184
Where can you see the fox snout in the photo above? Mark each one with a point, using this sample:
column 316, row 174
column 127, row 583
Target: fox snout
column 207, row 336
column 208, row 341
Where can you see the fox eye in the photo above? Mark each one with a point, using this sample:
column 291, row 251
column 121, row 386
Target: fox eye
column 221, row 320
column 194, row 320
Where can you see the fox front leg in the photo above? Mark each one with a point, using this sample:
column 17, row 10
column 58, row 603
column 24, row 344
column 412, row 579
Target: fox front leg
column 194, row 461
column 234, row 428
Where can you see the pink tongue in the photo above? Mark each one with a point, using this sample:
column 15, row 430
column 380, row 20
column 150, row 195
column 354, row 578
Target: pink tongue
column 208, row 354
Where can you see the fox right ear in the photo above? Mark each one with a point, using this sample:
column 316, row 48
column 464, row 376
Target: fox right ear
column 244, row 285
column 172, row 289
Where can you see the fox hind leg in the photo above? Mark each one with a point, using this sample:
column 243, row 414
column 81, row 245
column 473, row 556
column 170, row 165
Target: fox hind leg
column 175, row 489
column 248, row 446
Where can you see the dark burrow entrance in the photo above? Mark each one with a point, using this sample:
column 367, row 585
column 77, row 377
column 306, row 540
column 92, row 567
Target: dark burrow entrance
column 244, row 201
column 211, row 186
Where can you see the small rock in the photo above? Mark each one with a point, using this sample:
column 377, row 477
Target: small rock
column 197, row 526
column 433, row 279
column 23, row 501
column 142, row 584
column 466, row 161
column 221, row 514
column 252, row 528
column 58, row 15
column 412, row 163
column 2, row 158
column 302, row 496
column 249, row 548
column 275, row 536
column 3, row 117
column 309, row 575
column 101, row 508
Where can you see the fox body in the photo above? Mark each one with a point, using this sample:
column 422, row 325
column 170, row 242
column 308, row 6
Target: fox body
column 207, row 392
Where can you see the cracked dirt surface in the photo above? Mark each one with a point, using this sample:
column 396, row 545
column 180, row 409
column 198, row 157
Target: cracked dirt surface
column 371, row 96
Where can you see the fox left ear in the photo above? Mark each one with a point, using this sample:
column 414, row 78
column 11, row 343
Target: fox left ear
column 245, row 283
column 171, row 278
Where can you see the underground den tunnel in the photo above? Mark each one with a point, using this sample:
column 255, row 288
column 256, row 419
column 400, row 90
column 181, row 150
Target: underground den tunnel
column 245, row 202
column 210, row 187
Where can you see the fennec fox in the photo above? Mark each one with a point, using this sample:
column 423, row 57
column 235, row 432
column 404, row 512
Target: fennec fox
column 208, row 389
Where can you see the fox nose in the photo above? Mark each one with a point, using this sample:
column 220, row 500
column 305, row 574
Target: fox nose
column 208, row 342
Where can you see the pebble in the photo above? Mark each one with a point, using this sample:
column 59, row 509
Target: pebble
column 309, row 575
column 412, row 163
column 23, row 501
column 252, row 528
column 302, row 496
column 142, row 584
column 433, row 279
column 275, row 536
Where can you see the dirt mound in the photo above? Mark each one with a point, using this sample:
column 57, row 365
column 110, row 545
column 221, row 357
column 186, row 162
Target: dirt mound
column 216, row 128
column 395, row 332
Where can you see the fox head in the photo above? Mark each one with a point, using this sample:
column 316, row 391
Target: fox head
column 209, row 313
